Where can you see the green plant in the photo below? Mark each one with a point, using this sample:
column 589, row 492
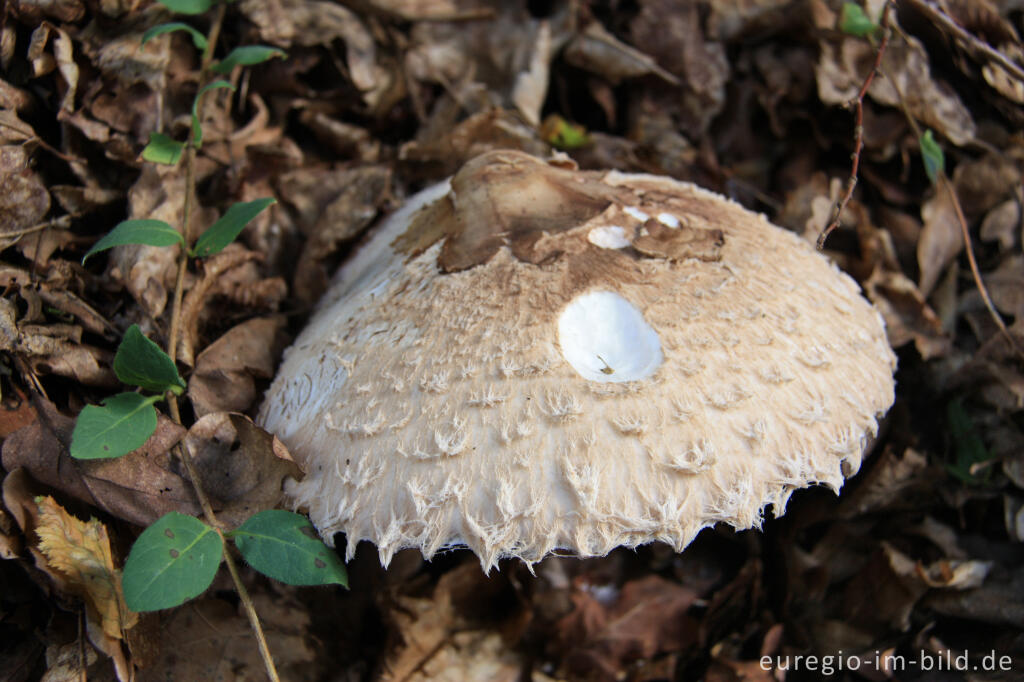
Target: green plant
column 177, row 557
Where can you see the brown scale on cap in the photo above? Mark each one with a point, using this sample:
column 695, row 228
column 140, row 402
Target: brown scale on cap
column 537, row 358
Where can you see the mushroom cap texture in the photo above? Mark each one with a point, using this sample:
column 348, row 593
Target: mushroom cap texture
column 533, row 358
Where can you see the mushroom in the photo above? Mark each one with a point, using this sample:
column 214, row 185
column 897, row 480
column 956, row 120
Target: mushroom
column 530, row 358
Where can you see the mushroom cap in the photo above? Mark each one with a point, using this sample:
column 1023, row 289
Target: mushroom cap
column 533, row 358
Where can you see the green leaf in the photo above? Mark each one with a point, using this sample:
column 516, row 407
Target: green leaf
column 562, row 134
column 224, row 231
column 140, row 362
column 284, row 546
column 931, row 154
column 152, row 232
column 122, row 424
column 247, row 56
column 198, row 39
column 187, row 6
column 162, row 149
column 173, row 561
column 855, row 22
column 970, row 452
column 197, row 130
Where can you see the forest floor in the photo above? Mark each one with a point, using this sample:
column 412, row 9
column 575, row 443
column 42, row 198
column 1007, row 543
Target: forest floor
column 918, row 563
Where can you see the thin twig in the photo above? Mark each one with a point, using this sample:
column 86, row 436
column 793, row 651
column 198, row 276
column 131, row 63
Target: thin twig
column 939, row 16
column 840, row 205
column 943, row 183
column 172, row 351
column 982, row 289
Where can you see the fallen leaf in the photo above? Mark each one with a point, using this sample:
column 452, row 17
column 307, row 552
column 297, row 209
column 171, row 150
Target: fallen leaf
column 80, row 550
column 842, row 68
column 210, row 639
column 242, row 467
column 343, row 218
column 139, row 487
column 941, row 239
column 596, row 50
column 23, row 196
column 226, row 370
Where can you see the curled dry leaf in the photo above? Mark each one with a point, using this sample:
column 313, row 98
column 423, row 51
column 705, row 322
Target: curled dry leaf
column 139, row 487
column 908, row 317
column 442, row 639
column 33, row 11
column 1002, row 224
column 646, row 617
column 674, row 37
column 531, row 86
column 24, row 200
column 841, row 71
column 242, row 467
column 941, row 239
column 362, row 193
column 113, row 47
column 596, row 50
column 226, row 370
column 217, row 279
column 284, row 22
column 80, row 551
column 482, row 132
column 13, row 129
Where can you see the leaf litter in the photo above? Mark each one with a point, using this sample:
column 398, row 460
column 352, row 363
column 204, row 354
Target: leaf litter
column 922, row 551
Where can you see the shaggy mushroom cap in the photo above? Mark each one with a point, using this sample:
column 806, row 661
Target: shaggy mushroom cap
column 532, row 358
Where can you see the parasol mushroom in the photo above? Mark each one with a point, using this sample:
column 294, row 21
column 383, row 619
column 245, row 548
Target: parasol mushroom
column 533, row 358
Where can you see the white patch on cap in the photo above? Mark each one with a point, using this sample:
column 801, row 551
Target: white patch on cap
column 668, row 220
column 636, row 213
column 609, row 237
column 606, row 339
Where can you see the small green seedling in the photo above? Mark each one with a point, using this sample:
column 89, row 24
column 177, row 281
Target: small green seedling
column 125, row 421
column 177, row 557
column 932, row 156
column 854, row 21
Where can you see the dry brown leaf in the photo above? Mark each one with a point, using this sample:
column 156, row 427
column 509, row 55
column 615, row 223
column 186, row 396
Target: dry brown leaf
column 596, row 50
column 531, row 86
column 23, row 196
column 199, row 296
column 433, row 10
column 313, row 22
column 609, row 628
column 841, row 71
column 673, row 35
column 80, row 550
column 1002, row 224
column 941, row 239
column 1006, row 286
column 63, row 52
column 362, row 194
column 242, row 467
column 13, row 129
column 209, row 639
column 139, row 487
column 482, row 132
column 113, row 47
column 908, row 317
column 61, row 10
column 439, row 634
column 225, row 372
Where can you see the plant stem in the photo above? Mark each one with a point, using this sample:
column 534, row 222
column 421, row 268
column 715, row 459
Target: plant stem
column 858, row 145
column 172, row 351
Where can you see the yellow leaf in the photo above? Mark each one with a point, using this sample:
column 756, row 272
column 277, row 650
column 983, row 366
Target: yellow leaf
column 81, row 552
